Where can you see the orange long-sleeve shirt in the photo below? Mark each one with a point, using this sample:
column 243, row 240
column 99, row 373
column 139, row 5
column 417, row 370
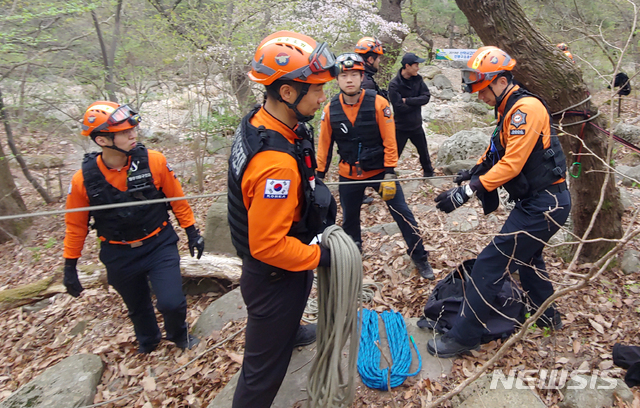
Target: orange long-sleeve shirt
column 77, row 223
column 270, row 216
column 521, row 128
column 387, row 127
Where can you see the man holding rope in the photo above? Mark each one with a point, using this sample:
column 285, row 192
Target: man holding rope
column 361, row 123
column 138, row 244
column 525, row 157
column 276, row 208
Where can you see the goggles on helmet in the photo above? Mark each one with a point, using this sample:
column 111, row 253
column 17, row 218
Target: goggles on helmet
column 119, row 116
column 473, row 76
column 320, row 60
column 348, row 61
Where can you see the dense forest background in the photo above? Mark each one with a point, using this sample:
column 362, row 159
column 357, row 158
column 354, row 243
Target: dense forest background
column 57, row 57
column 183, row 64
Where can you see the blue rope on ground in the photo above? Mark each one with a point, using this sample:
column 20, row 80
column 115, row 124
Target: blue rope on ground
column 369, row 354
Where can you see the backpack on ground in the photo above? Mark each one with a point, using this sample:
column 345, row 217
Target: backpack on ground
column 443, row 305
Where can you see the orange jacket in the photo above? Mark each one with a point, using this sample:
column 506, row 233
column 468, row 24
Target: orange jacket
column 384, row 117
column 77, row 223
column 518, row 147
column 271, row 219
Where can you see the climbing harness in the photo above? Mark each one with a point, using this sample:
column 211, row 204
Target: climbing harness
column 339, row 298
column 369, row 354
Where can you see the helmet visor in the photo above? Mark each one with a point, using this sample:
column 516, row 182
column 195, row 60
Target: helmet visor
column 121, row 114
column 321, row 59
column 473, row 76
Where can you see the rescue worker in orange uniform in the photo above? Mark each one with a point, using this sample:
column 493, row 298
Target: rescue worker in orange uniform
column 524, row 157
column 360, row 122
column 565, row 48
column 138, row 244
column 276, row 207
column 371, row 51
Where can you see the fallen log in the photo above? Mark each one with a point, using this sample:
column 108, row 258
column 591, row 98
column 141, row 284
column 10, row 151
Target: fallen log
column 30, row 293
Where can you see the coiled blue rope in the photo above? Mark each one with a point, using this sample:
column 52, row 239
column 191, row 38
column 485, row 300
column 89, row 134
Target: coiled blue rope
column 369, row 354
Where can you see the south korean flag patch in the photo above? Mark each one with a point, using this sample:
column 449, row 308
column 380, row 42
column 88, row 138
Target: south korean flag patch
column 277, row 189
column 518, row 118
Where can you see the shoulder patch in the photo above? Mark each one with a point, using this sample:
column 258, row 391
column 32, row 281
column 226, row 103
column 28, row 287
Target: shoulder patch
column 517, row 132
column 518, row 118
column 278, row 189
column 387, row 112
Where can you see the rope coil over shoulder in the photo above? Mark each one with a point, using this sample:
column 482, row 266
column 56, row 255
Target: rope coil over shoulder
column 369, row 356
column 339, row 298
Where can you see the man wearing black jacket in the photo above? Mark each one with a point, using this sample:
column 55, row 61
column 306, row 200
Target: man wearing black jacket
column 407, row 93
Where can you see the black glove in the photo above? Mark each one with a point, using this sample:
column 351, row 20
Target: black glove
column 453, row 198
column 70, row 281
column 325, row 257
column 463, row 175
column 195, row 240
column 320, row 175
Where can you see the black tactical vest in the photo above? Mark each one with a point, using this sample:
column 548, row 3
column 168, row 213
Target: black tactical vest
column 124, row 223
column 543, row 167
column 360, row 144
column 318, row 209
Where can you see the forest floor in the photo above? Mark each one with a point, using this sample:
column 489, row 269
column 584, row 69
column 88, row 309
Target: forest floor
column 605, row 312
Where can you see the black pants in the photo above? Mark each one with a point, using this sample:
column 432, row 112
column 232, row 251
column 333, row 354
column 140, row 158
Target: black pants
column 129, row 271
column 508, row 253
column 351, row 199
column 419, row 140
column 274, row 306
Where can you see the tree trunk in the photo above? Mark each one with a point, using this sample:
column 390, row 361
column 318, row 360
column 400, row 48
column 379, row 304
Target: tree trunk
column 105, row 58
column 25, row 170
column 10, row 203
column 390, row 10
column 546, row 72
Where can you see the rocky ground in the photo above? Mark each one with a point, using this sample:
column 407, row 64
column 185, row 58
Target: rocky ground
column 39, row 336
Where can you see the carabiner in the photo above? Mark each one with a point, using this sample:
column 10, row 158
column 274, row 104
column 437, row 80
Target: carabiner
column 572, row 171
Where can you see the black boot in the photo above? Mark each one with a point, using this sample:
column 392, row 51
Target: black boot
column 554, row 323
column 446, row 347
column 425, row 269
column 306, row 335
column 190, row 342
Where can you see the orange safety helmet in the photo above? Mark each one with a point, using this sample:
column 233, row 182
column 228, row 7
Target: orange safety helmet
column 349, row 62
column 108, row 117
column 292, row 56
column 369, row 44
column 563, row 46
column 485, row 65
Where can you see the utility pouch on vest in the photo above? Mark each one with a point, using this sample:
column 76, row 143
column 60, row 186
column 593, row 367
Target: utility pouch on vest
column 372, row 158
column 517, row 187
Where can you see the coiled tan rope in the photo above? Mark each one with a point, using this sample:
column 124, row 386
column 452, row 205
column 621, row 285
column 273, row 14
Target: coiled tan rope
column 339, row 301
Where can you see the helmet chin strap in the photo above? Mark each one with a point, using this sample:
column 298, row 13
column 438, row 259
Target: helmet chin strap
column 117, row 149
column 352, row 94
column 294, row 106
column 499, row 99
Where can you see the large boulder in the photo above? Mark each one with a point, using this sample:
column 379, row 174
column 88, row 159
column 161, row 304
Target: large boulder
column 442, row 82
column 477, row 108
column 217, row 237
column 630, row 133
column 630, row 262
column 70, row 383
column 629, row 175
column 466, row 144
column 484, row 392
column 581, row 391
column 429, row 71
